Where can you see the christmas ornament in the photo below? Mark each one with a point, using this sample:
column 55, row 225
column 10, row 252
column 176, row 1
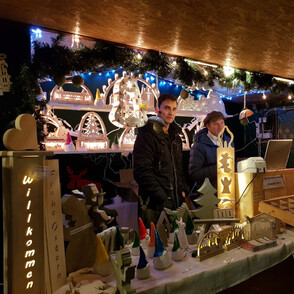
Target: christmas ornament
column 184, row 94
column 59, row 80
column 77, row 81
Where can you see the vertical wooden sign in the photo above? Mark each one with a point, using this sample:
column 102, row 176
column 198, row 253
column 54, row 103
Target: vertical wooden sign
column 226, row 172
column 23, row 216
column 56, row 274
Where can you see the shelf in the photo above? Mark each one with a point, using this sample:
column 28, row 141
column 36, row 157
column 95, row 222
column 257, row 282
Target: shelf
column 107, row 108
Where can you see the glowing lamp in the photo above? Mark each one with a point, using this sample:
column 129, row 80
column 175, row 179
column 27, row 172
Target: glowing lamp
column 245, row 113
column 226, row 172
column 243, row 116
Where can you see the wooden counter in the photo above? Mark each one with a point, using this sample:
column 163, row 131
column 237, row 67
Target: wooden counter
column 255, row 192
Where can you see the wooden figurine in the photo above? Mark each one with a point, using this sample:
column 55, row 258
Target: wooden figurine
column 136, row 244
column 81, row 249
column 102, row 265
column 95, row 198
column 143, row 270
column 123, row 271
column 143, row 234
column 181, row 234
column 161, row 258
column 191, row 234
column 177, row 252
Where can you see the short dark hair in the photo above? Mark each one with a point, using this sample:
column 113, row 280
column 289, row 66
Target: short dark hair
column 164, row 97
column 213, row 116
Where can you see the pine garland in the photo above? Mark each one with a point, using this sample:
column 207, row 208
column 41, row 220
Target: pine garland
column 56, row 61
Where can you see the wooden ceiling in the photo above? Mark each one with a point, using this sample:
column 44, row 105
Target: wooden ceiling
column 248, row 34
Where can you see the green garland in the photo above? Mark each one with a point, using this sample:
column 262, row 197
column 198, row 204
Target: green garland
column 56, row 61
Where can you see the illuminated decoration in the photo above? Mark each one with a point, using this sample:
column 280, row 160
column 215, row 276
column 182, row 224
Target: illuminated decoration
column 24, row 223
column 92, row 134
column 209, row 245
column 56, row 140
column 234, row 239
column 245, row 113
column 126, row 100
column 4, row 76
column 58, row 95
column 203, row 106
column 127, row 139
column 149, row 94
column 226, row 172
column 23, row 136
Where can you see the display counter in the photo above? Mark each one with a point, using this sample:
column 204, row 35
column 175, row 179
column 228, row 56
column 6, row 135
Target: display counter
column 211, row 275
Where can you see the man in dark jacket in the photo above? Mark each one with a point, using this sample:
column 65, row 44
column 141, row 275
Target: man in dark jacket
column 158, row 162
column 202, row 161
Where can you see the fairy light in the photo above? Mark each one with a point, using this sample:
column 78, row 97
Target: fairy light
column 228, row 71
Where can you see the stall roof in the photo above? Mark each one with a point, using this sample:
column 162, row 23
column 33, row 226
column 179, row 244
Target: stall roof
column 249, row 34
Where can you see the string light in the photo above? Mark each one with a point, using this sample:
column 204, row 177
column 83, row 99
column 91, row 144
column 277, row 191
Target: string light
column 228, row 71
column 290, row 97
column 263, row 96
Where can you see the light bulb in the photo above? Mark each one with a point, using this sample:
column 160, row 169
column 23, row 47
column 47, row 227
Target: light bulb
column 290, row 97
column 263, row 96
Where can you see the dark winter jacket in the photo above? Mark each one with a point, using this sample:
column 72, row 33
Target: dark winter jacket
column 202, row 161
column 158, row 167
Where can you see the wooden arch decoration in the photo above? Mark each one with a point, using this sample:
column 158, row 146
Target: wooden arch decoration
column 127, row 139
column 58, row 95
column 209, row 245
column 92, row 134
